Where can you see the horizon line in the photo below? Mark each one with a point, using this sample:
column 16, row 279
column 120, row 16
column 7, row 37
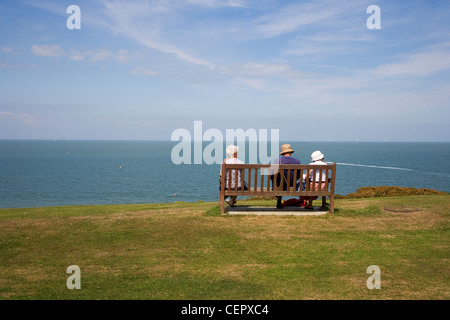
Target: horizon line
column 192, row 140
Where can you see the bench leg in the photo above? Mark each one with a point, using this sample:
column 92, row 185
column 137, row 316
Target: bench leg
column 332, row 204
column 324, row 202
column 222, row 205
column 279, row 205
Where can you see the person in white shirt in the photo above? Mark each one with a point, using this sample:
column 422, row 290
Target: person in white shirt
column 321, row 176
column 317, row 158
column 232, row 152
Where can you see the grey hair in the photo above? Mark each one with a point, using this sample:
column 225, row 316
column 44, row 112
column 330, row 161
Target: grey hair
column 231, row 150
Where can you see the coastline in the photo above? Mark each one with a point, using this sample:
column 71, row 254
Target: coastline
column 363, row 192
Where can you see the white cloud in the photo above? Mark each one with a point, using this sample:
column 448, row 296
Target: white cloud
column 216, row 3
column 7, row 49
column 290, row 18
column 259, row 75
column 90, row 55
column 122, row 56
column 143, row 71
column 256, row 83
column 268, row 69
column 147, row 24
column 260, row 69
column 53, row 51
column 420, row 64
column 25, row 118
column 101, row 54
column 76, row 55
column 319, row 14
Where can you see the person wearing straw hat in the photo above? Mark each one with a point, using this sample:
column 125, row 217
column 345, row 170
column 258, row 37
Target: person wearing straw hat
column 286, row 158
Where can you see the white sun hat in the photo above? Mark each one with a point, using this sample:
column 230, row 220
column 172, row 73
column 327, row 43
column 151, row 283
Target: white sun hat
column 317, row 155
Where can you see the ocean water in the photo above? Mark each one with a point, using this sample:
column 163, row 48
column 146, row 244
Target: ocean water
column 36, row 173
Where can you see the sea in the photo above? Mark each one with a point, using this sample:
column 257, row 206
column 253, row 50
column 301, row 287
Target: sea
column 38, row 173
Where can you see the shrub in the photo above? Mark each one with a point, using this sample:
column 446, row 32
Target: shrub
column 388, row 191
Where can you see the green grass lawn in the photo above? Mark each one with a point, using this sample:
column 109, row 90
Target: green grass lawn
column 190, row 251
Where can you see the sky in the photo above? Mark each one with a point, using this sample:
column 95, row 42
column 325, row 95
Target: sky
column 139, row 70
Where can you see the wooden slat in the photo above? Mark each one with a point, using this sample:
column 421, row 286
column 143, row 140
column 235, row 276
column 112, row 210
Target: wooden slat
column 262, row 179
column 288, row 182
column 270, row 184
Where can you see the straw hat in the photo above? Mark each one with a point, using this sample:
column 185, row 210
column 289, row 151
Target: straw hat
column 286, row 148
column 317, row 155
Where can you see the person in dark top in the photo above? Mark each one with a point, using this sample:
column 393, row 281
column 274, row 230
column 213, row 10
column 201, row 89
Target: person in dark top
column 286, row 158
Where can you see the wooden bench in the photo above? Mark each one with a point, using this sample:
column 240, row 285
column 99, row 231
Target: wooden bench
column 257, row 180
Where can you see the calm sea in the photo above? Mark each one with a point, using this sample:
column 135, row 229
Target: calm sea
column 52, row 173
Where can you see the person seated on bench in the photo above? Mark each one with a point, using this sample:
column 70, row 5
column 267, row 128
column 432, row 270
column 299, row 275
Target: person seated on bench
column 286, row 158
column 321, row 176
column 232, row 152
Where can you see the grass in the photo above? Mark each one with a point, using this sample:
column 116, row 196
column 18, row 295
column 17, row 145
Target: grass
column 190, row 251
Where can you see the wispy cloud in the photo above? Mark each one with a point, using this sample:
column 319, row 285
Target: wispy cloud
column 420, row 64
column 53, row 51
column 25, row 118
column 7, row 49
column 268, row 69
column 101, row 54
column 140, row 21
column 143, row 71
column 92, row 55
column 143, row 22
column 290, row 18
column 258, row 75
column 308, row 17
column 217, row 3
column 174, row 28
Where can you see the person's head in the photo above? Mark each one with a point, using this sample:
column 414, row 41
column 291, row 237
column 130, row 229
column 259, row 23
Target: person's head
column 317, row 156
column 286, row 150
column 232, row 151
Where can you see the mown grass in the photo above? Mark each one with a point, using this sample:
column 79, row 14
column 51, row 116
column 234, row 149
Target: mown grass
column 191, row 251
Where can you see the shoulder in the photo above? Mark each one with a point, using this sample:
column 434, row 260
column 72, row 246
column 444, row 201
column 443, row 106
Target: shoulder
column 292, row 160
column 233, row 161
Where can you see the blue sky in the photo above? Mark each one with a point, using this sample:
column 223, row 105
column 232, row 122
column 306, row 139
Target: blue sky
column 138, row 70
